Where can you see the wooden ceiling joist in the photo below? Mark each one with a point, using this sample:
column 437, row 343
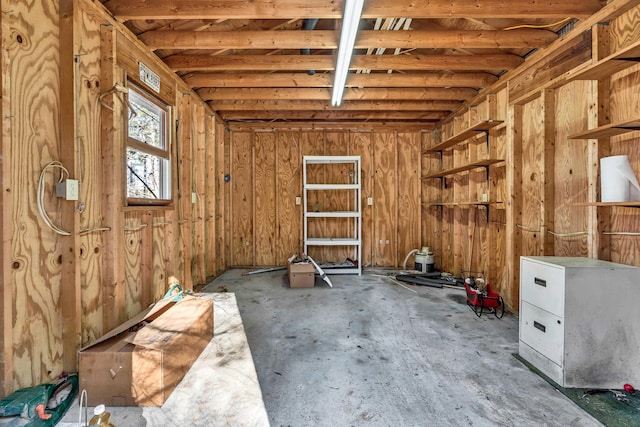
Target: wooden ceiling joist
column 367, row 39
column 284, row 9
column 324, row 94
column 345, row 126
column 325, row 106
column 332, row 115
column 292, row 80
column 327, row 62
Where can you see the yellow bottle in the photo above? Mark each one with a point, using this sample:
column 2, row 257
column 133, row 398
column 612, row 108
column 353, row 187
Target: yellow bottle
column 101, row 417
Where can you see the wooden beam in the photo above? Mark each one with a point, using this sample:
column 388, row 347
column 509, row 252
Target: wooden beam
column 513, row 192
column 607, row 13
column 328, row 62
column 473, row 80
column 324, row 94
column 323, row 39
column 325, row 106
column 285, row 9
column 390, row 126
column 331, row 115
column 112, row 150
column 70, row 288
column 548, row 171
column 6, row 213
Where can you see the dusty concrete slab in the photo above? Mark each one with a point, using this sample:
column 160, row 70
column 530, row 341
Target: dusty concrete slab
column 220, row 389
column 368, row 352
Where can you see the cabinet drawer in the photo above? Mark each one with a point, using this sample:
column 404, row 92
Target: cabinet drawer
column 543, row 286
column 542, row 331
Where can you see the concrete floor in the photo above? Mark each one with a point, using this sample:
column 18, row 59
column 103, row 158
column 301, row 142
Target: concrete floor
column 369, row 352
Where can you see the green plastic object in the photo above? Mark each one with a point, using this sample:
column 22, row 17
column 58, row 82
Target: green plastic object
column 22, row 404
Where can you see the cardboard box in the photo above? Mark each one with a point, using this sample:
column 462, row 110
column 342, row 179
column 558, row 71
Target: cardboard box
column 301, row 275
column 141, row 367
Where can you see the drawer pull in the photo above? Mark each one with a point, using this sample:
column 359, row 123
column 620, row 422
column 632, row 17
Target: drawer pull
column 540, row 282
column 539, row 326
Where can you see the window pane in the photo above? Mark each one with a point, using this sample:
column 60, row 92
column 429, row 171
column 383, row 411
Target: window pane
column 146, row 175
column 146, row 122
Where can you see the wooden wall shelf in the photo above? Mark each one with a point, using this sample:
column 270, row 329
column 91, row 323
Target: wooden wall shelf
column 623, row 59
column 462, row 204
column 464, row 135
column 470, row 166
column 606, row 131
column 609, row 204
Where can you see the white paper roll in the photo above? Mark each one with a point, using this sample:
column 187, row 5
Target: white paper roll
column 618, row 183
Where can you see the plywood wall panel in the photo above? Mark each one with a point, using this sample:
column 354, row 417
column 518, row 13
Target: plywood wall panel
column 159, row 275
column 91, row 244
column 532, row 185
column 445, row 258
column 198, row 212
column 409, row 183
column 385, row 199
column 571, row 174
column 210, row 197
column 242, row 233
column 498, row 272
column 222, row 189
column 288, row 187
column 461, row 242
column 360, row 145
column 32, row 55
column 625, row 104
column 265, row 198
column 133, row 263
column 313, row 145
column 624, row 30
column 184, row 170
column 337, row 144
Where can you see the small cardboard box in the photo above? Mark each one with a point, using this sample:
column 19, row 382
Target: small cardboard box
column 302, row 275
column 126, row 367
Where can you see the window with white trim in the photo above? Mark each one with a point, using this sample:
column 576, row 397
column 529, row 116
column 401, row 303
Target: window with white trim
column 148, row 150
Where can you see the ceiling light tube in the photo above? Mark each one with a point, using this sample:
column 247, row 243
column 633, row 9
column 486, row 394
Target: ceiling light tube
column 350, row 24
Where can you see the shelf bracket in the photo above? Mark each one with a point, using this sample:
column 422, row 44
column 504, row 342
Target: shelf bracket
column 487, row 206
column 486, row 139
column 486, row 171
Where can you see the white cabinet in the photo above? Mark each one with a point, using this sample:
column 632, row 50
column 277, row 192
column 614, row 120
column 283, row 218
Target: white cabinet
column 350, row 183
column 580, row 320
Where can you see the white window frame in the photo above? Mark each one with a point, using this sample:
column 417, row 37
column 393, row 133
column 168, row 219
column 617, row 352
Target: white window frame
column 141, row 96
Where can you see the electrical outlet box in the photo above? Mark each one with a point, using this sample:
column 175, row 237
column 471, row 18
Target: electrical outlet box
column 369, row 201
column 298, row 200
column 68, row 189
column 194, row 197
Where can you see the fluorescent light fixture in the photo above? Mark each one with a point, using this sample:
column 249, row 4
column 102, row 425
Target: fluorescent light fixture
column 350, row 24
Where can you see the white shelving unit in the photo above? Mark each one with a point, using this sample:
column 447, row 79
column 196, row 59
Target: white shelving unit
column 354, row 239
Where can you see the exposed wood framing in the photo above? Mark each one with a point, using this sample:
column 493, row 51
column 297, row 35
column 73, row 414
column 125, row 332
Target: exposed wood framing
column 474, row 80
column 70, row 245
column 184, row 142
column 113, row 193
column 199, row 184
column 6, row 211
column 358, row 62
column 319, row 39
column 513, row 203
column 254, row 115
column 346, row 106
column 210, row 197
column 322, row 94
column 548, row 171
column 285, row 9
